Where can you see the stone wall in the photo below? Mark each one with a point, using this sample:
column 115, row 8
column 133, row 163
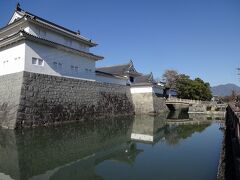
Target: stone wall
column 10, row 90
column 197, row 107
column 48, row 99
column 145, row 103
column 232, row 143
column 159, row 103
column 207, row 107
column 30, row 99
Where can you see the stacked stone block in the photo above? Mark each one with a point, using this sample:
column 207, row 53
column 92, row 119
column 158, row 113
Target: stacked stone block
column 30, row 99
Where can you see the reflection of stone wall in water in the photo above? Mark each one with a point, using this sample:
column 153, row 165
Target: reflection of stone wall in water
column 36, row 151
column 145, row 124
column 152, row 129
column 44, row 99
column 174, row 133
column 9, row 156
column 148, row 128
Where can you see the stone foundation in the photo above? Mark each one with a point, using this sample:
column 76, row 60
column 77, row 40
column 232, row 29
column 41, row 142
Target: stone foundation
column 10, row 92
column 148, row 103
column 197, row 107
column 30, row 99
column 232, row 143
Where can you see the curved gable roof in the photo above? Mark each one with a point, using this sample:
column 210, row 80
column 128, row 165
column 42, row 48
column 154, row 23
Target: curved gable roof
column 120, row 69
column 20, row 13
column 145, row 79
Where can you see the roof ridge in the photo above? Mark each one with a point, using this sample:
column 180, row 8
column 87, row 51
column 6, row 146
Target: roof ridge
column 76, row 33
column 145, row 75
column 19, row 9
column 114, row 65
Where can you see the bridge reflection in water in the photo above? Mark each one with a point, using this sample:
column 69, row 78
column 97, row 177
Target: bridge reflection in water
column 79, row 151
column 152, row 129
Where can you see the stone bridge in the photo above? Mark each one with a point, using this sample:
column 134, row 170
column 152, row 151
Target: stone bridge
column 185, row 101
column 175, row 104
column 193, row 106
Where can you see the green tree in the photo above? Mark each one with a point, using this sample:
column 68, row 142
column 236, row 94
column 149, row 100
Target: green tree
column 187, row 88
column 193, row 89
column 183, row 84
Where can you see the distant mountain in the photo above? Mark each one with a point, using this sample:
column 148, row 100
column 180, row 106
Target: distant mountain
column 225, row 90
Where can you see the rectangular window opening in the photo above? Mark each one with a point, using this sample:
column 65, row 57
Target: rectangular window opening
column 55, row 65
column 34, row 61
column 60, row 66
column 40, row 62
column 76, row 69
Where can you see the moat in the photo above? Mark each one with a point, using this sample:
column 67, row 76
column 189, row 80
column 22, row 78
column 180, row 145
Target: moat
column 164, row 147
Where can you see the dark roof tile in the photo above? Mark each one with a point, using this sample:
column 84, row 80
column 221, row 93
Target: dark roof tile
column 121, row 69
column 37, row 18
column 144, row 79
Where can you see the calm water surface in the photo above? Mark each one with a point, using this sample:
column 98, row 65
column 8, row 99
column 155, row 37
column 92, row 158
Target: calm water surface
column 143, row 147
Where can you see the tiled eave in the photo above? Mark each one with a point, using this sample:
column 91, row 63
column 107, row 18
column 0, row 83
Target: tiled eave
column 14, row 38
column 133, row 73
column 121, row 70
column 60, row 30
column 46, row 24
column 100, row 73
column 22, row 35
column 17, row 23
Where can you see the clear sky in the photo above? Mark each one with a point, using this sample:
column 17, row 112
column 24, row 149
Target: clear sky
column 200, row 38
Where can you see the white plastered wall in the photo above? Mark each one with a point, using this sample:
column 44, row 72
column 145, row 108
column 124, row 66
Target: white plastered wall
column 12, row 59
column 86, row 67
column 149, row 89
column 55, row 37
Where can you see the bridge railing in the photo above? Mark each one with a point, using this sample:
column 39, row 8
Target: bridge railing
column 189, row 101
column 193, row 101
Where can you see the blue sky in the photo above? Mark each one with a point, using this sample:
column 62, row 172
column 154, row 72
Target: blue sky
column 200, row 38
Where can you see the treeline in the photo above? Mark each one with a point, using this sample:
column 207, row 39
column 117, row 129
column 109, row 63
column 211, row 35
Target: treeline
column 234, row 97
column 187, row 88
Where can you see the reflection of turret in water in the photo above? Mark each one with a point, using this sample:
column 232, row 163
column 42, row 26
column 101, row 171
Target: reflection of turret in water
column 70, row 151
column 177, row 126
column 148, row 128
